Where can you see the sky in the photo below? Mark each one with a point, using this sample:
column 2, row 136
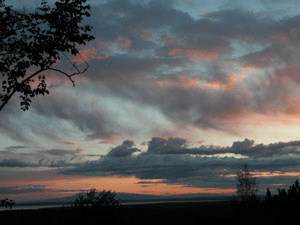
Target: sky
column 178, row 96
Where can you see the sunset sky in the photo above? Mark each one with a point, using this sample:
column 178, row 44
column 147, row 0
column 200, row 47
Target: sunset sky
column 179, row 94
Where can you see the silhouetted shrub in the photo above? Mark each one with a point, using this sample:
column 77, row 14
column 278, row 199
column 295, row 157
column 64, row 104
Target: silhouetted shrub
column 7, row 203
column 94, row 199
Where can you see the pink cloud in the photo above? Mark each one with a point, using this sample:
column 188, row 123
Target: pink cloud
column 146, row 36
column 69, row 142
column 106, row 138
column 126, row 42
column 88, row 55
column 195, row 54
column 79, row 150
column 181, row 80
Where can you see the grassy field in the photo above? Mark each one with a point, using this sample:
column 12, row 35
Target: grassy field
column 223, row 212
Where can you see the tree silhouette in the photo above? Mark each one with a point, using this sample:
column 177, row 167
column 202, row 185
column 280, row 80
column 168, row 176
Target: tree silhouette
column 290, row 198
column 94, row 199
column 7, row 203
column 32, row 43
column 246, row 185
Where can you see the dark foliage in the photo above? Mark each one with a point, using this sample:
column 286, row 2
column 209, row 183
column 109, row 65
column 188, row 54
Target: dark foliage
column 31, row 43
column 7, row 203
column 284, row 199
column 94, row 199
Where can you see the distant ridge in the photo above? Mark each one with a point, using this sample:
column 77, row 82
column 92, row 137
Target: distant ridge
column 135, row 198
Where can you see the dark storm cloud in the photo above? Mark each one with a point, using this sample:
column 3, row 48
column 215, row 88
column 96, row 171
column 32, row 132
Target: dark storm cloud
column 173, row 161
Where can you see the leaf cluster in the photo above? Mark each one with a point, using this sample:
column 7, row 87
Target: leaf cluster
column 34, row 41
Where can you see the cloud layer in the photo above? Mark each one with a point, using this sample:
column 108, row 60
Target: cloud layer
column 159, row 69
column 171, row 160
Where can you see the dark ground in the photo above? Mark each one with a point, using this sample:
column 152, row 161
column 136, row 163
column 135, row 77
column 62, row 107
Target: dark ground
column 223, row 212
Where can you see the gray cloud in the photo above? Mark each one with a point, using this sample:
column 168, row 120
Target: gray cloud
column 20, row 189
column 16, row 163
column 156, row 80
column 171, row 160
column 123, row 150
column 62, row 152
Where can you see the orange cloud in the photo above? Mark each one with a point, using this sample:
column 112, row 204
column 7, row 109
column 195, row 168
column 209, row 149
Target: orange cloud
column 178, row 81
column 105, row 138
column 215, row 85
column 293, row 109
column 195, row 54
column 251, row 67
column 270, row 174
column 290, row 74
column 233, row 78
column 188, row 82
column 126, row 42
column 175, row 51
column 88, row 55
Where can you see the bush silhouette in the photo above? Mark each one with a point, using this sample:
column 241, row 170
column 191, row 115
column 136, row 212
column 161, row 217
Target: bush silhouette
column 94, row 199
column 7, row 203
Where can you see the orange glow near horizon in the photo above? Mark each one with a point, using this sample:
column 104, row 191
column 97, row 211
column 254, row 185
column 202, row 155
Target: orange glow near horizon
column 270, row 174
column 133, row 185
column 64, row 185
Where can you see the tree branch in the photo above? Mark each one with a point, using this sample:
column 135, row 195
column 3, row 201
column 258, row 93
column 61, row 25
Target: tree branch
column 69, row 76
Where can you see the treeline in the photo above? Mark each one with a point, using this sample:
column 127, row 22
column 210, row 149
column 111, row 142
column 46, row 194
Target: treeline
column 280, row 208
column 283, row 199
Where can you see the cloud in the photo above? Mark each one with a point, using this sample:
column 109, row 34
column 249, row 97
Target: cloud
column 161, row 145
column 16, row 163
column 123, row 150
column 62, row 152
column 194, row 54
column 172, row 161
column 155, row 57
column 20, row 189
column 87, row 55
column 125, row 42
